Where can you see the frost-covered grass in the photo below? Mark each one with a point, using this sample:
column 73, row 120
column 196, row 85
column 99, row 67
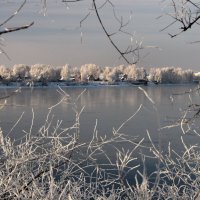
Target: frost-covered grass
column 54, row 163
column 91, row 72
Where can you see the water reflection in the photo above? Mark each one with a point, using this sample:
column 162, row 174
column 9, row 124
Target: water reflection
column 110, row 105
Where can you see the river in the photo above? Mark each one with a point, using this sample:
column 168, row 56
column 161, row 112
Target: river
column 108, row 106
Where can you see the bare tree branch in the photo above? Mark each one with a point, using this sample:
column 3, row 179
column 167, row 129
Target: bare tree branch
column 3, row 52
column 186, row 13
column 13, row 29
column 72, row 1
column 122, row 54
column 13, row 15
column 107, row 34
column 131, row 50
column 86, row 16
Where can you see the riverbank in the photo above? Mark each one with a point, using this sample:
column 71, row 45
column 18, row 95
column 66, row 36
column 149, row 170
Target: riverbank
column 16, row 84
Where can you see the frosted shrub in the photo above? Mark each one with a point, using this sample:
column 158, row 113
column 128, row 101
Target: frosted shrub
column 54, row 164
column 65, row 72
column 20, row 71
column 179, row 171
column 177, row 175
column 89, row 70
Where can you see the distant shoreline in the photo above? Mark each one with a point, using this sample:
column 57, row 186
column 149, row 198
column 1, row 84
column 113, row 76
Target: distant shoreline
column 84, row 84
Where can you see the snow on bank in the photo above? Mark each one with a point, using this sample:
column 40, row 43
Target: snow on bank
column 42, row 75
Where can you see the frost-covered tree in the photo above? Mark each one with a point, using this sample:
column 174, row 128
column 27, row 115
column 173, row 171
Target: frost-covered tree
column 39, row 72
column 57, row 71
column 113, row 74
column 110, row 74
column 89, row 70
column 155, row 75
column 5, row 72
column 134, row 73
column 65, row 72
column 121, row 68
column 20, row 71
column 119, row 72
column 75, row 74
column 171, row 75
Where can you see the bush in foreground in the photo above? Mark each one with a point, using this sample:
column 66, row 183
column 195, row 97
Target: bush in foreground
column 54, row 164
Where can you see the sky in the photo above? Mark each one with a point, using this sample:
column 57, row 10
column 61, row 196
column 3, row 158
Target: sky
column 57, row 38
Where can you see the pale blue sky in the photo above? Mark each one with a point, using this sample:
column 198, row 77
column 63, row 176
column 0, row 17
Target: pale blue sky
column 55, row 38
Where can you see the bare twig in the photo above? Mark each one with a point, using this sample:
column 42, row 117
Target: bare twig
column 131, row 50
column 13, row 15
column 13, row 29
column 122, row 54
column 71, row 1
column 186, row 13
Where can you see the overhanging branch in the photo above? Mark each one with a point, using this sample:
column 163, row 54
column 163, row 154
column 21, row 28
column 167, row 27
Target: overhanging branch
column 13, row 29
column 186, row 13
column 122, row 54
